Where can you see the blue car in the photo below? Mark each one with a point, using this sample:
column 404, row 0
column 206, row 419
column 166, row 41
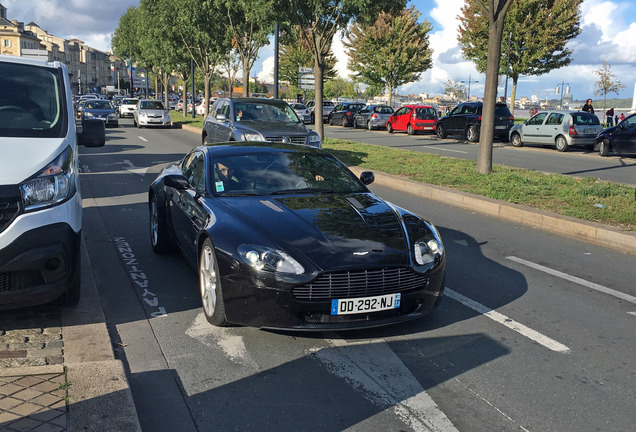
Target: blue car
column 100, row 109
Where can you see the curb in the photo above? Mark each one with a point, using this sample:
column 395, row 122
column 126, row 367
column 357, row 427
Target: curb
column 99, row 395
column 624, row 241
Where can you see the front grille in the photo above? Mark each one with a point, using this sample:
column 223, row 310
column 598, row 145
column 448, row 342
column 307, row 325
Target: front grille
column 287, row 139
column 323, row 318
column 361, row 283
column 19, row 280
column 10, row 206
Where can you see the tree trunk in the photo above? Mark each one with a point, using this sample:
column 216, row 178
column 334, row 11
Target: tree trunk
column 246, row 75
column 486, row 134
column 513, row 94
column 390, row 90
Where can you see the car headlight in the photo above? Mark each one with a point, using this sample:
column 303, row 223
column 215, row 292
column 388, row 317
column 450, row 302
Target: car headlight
column 112, row 116
column 270, row 260
column 143, row 114
column 314, row 139
column 53, row 185
column 429, row 249
column 88, row 115
column 253, row 137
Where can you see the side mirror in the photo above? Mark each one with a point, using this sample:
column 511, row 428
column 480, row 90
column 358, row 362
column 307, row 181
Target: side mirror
column 221, row 117
column 176, row 181
column 91, row 133
column 367, row 177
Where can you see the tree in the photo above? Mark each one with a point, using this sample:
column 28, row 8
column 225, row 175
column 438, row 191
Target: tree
column 249, row 23
column 536, row 32
column 319, row 21
column 606, row 83
column 339, row 88
column 454, row 89
column 394, row 50
column 495, row 11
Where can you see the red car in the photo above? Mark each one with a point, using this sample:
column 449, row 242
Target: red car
column 412, row 119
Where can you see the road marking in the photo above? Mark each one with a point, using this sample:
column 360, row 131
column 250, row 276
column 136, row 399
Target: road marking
column 508, row 322
column 142, row 138
column 575, row 279
column 132, row 168
column 373, row 367
column 449, row 150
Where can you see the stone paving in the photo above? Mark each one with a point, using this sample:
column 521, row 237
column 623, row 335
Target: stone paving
column 30, row 338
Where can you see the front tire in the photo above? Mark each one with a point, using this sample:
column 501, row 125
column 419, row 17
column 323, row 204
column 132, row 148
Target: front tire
column 389, row 128
column 441, row 131
column 472, row 134
column 330, row 121
column 561, row 144
column 515, row 140
column 210, row 286
column 410, row 130
column 344, row 122
column 603, row 148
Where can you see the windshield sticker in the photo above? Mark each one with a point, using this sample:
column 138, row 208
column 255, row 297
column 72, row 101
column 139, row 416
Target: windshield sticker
column 219, row 186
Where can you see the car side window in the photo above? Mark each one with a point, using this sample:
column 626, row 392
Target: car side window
column 402, row 111
column 194, row 171
column 555, row 119
column 223, row 108
column 538, row 119
column 469, row 109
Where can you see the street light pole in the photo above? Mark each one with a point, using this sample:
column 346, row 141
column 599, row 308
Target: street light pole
column 561, row 92
column 507, row 69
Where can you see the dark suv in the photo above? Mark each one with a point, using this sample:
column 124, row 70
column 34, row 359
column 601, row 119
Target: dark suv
column 465, row 120
column 343, row 113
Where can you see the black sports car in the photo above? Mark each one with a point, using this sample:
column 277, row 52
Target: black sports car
column 285, row 236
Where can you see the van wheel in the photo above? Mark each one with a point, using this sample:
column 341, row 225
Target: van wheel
column 603, row 148
column 72, row 295
column 561, row 144
column 441, row 131
column 472, row 134
column 515, row 140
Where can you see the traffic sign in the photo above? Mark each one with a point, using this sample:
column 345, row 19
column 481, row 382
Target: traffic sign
column 305, row 70
column 307, row 87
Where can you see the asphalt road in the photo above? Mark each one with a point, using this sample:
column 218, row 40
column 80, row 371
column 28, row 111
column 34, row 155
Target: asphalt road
column 533, row 334
column 576, row 162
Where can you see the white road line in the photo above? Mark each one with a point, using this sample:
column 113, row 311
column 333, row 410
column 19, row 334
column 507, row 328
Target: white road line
column 373, row 368
column 508, row 322
column 575, row 279
column 449, row 150
column 142, row 138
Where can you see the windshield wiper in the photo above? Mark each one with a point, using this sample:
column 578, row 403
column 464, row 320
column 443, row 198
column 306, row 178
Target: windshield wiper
column 302, row 190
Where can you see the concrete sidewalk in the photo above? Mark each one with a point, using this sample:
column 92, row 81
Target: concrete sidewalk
column 66, row 354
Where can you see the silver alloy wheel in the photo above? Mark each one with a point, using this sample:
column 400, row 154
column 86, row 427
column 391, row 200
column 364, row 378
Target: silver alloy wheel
column 208, row 280
column 516, row 140
column 154, row 222
column 369, row 125
column 561, row 143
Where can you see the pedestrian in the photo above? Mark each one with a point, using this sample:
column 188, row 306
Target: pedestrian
column 536, row 111
column 616, row 119
column 588, row 107
column 622, row 116
column 610, row 117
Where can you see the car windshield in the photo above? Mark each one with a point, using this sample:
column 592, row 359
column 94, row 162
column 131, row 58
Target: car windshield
column 130, row 102
column 98, row 104
column 280, row 172
column 156, row 105
column 265, row 112
column 32, row 101
column 383, row 110
column 502, row 111
column 585, row 119
column 425, row 113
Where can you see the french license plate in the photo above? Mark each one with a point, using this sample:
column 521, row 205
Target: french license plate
column 501, row 127
column 365, row 304
column 154, row 120
column 590, row 131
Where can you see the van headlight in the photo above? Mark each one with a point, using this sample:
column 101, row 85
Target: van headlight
column 51, row 186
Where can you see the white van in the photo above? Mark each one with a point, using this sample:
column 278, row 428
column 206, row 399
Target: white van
column 40, row 202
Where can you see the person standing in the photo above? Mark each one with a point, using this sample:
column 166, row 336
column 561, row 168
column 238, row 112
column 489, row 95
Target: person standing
column 588, row 107
column 610, row 117
column 622, row 116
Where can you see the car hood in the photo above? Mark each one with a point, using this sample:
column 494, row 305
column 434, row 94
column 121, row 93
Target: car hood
column 333, row 231
column 99, row 111
column 271, row 127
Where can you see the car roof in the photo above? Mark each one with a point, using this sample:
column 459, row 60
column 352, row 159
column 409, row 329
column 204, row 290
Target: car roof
column 255, row 147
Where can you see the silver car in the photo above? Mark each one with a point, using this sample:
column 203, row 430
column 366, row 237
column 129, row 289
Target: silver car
column 562, row 129
column 327, row 107
column 151, row 112
column 254, row 119
column 127, row 107
column 301, row 111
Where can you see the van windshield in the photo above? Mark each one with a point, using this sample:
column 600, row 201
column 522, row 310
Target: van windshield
column 32, row 102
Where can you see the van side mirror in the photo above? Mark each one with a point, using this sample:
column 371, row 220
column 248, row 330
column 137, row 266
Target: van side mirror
column 91, row 133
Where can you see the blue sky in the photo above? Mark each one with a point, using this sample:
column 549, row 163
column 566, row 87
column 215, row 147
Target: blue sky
column 609, row 32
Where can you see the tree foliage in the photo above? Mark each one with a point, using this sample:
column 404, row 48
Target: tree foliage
column 606, row 83
column 392, row 51
column 454, row 89
column 320, row 20
column 537, row 31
